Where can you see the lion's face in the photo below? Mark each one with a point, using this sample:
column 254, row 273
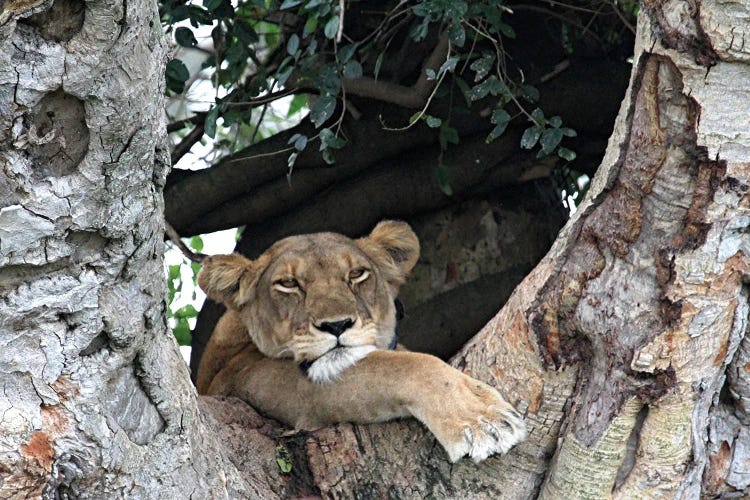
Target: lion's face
column 324, row 299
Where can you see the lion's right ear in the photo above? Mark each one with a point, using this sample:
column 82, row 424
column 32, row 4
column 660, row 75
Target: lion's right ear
column 394, row 247
column 228, row 279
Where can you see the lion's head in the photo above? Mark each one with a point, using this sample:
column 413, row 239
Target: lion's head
column 324, row 299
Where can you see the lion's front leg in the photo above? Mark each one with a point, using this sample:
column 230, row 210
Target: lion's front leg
column 468, row 417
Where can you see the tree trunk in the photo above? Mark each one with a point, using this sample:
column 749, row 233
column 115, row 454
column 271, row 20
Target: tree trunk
column 617, row 346
column 625, row 333
column 96, row 400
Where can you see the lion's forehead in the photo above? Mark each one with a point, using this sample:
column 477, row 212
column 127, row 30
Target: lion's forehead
column 316, row 256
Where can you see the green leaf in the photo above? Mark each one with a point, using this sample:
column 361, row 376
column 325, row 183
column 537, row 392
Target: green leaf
column 292, row 45
column 501, row 118
column 443, row 178
column 177, row 74
column 181, row 332
column 432, row 121
column 569, row 132
column 555, row 121
column 419, row 31
column 496, row 132
column 196, row 243
column 290, row 162
column 196, row 267
column 346, row 52
column 187, row 311
column 549, row 139
column 448, row 65
column 378, row 64
column 352, row 69
column 329, row 140
column 328, row 80
column 506, row 30
column 328, row 156
column 316, row 3
column 448, row 135
column 566, row 154
column 310, row 26
column 283, row 75
column 212, row 5
column 457, row 34
column 174, row 272
column 184, row 36
column 482, row 66
column 179, row 13
column 288, row 4
column 210, row 123
column 245, row 32
column 490, row 86
column 284, row 459
column 530, row 93
column 322, row 110
column 416, row 116
column 538, row 116
column 531, row 136
column 331, row 27
column 299, row 141
column 298, row 102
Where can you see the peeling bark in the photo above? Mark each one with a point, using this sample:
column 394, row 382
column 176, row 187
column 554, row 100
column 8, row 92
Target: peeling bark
column 625, row 347
column 96, row 400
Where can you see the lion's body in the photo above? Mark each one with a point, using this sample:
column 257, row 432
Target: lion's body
column 324, row 302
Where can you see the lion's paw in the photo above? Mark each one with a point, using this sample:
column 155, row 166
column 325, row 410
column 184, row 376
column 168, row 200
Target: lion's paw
column 481, row 423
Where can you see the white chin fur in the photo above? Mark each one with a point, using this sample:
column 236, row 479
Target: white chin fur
column 329, row 366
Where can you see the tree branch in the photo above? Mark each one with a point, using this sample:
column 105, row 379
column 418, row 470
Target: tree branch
column 413, row 97
column 188, row 142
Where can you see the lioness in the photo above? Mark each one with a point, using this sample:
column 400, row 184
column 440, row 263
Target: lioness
column 309, row 338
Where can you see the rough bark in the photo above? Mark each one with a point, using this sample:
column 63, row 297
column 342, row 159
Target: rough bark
column 626, row 329
column 626, row 332
column 96, row 400
column 641, row 303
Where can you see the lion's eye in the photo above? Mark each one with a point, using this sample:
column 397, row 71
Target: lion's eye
column 358, row 275
column 286, row 284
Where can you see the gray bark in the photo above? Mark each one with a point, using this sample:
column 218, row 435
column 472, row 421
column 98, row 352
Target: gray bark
column 625, row 332
column 96, row 400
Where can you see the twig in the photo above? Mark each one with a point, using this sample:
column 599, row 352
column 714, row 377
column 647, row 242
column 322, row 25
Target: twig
column 200, row 116
column 175, row 238
column 185, row 144
column 559, row 68
column 180, row 124
column 257, row 125
column 340, row 30
column 408, row 97
column 622, row 17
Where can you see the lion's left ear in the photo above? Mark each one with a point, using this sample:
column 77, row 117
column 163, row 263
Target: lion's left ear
column 228, row 279
column 394, row 247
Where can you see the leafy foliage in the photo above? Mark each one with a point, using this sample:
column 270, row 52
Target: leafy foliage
column 253, row 53
column 262, row 50
column 177, row 274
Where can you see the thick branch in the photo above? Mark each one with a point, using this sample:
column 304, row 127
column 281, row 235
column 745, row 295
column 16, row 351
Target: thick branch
column 211, row 196
column 413, row 97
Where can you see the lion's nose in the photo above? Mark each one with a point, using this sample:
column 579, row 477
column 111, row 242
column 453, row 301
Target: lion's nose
column 335, row 327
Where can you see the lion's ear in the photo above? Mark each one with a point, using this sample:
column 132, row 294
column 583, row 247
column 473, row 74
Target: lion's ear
column 394, row 247
column 228, row 279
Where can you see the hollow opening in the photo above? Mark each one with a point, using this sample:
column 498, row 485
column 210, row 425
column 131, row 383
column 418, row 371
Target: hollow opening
column 59, row 23
column 58, row 136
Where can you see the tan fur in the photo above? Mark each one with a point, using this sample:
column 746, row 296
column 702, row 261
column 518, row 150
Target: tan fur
column 282, row 308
